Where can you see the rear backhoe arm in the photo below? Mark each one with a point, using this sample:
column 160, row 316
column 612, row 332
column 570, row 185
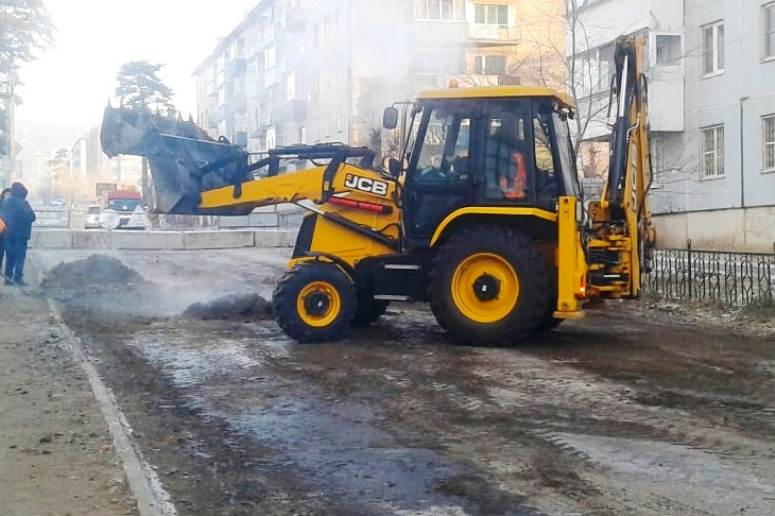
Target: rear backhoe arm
column 622, row 236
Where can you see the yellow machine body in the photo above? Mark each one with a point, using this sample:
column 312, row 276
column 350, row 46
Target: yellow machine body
column 494, row 269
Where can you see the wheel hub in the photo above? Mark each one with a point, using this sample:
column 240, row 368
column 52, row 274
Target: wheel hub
column 317, row 304
column 487, row 287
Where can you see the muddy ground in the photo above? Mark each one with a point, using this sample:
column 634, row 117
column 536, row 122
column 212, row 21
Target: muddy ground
column 632, row 411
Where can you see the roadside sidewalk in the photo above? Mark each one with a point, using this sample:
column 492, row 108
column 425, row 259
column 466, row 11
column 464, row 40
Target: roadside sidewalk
column 56, row 454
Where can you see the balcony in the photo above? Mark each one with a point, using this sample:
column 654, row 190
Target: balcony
column 219, row 114
column 488, row 34
column 264, row 122
column 236, row 68
column 435, row 33
column 294, row 19
column 292, row 111
column 239, row 104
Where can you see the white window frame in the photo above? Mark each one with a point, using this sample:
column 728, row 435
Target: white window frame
column 482, row 58
column 768, row 54
column 486, row 8
column 768, row 145
column 678, row 62
column 718, row 51
column 717, row 153
column 440, row 13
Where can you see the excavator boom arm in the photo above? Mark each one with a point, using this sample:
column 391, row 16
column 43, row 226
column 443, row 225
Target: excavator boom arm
column 621, row 236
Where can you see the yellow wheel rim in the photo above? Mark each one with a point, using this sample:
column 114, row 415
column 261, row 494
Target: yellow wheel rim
column 485, row 288
column 318, row 304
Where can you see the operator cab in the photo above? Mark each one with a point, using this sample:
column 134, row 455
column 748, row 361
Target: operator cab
column 487, row 146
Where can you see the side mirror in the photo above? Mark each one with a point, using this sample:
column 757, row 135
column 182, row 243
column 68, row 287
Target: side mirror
column 394, row 167
column 390, row 118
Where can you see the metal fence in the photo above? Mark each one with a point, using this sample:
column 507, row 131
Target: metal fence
column 732, row 279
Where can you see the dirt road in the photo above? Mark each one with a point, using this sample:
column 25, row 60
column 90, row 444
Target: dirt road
column 627, row 412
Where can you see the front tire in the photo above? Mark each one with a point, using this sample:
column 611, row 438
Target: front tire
column 489, row 286
column 315, row 302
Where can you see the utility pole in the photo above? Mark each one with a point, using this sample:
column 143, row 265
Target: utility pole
column 11, row 127
column 6, row 105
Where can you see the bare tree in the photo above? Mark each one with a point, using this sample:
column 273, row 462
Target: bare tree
column 560, row 57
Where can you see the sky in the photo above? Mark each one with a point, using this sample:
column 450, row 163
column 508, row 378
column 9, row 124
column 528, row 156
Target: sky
column 69, row 85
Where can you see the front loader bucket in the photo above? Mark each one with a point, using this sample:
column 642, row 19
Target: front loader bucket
column 183, row 160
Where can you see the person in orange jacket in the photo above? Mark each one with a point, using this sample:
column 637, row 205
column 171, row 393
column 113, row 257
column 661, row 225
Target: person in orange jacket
column 6, row 194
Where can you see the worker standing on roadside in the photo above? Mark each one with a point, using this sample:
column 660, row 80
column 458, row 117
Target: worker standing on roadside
column 6, row 194
column 18, row 217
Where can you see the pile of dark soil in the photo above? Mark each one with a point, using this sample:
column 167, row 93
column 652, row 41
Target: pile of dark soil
column 236, row 307
column 97, row 275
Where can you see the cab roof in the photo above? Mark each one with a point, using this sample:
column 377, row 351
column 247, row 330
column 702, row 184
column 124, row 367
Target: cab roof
column 496, row 92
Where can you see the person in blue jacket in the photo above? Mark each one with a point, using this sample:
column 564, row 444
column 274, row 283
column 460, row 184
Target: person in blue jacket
column 18, row 217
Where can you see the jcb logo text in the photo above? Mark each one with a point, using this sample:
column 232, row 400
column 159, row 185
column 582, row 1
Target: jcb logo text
column 365, row 184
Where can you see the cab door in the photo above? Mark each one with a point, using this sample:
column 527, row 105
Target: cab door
column 440, row 178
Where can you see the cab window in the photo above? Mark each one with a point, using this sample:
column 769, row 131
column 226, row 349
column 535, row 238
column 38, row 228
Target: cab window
column 506, row 156
column 444, row 158
column 546, row 185
column 440, row 179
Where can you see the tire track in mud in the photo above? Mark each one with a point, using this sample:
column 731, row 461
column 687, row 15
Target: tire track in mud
column 611, row 413
column 552, row 425
column 336, row 444
column 542, row 403
column 205, row 466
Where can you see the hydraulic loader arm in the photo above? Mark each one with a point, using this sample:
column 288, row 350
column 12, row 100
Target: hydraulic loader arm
column 621, row 233
column 196, row 175
column 355, row 207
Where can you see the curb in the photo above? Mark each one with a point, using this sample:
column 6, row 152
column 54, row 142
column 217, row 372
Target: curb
column 151, row 497
column 160, row 240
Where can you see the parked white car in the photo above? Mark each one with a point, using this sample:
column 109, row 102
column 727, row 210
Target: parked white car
column 93, row 217
column 113, row 219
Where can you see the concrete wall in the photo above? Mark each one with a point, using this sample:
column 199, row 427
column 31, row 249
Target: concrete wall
column 749, row 230
column 159, row 240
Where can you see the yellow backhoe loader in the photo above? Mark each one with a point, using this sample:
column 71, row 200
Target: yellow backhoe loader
column 481, row 215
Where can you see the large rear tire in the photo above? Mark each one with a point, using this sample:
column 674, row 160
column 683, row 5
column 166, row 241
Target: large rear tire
column 489, row 286
column 315, row 302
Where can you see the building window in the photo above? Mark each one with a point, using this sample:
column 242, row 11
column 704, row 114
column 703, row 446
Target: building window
column 433, row 9
column 712, row 152
column 713, row 48
column 593, row 70
column 492, row 14
column 291, row 86
column 768, row 16
column 490, row 65
column 768, row 130
column 668, row 49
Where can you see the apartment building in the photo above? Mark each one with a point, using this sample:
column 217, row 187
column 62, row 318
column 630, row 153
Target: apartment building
column 711, row 70
column 301, row 71
column 243, row 87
